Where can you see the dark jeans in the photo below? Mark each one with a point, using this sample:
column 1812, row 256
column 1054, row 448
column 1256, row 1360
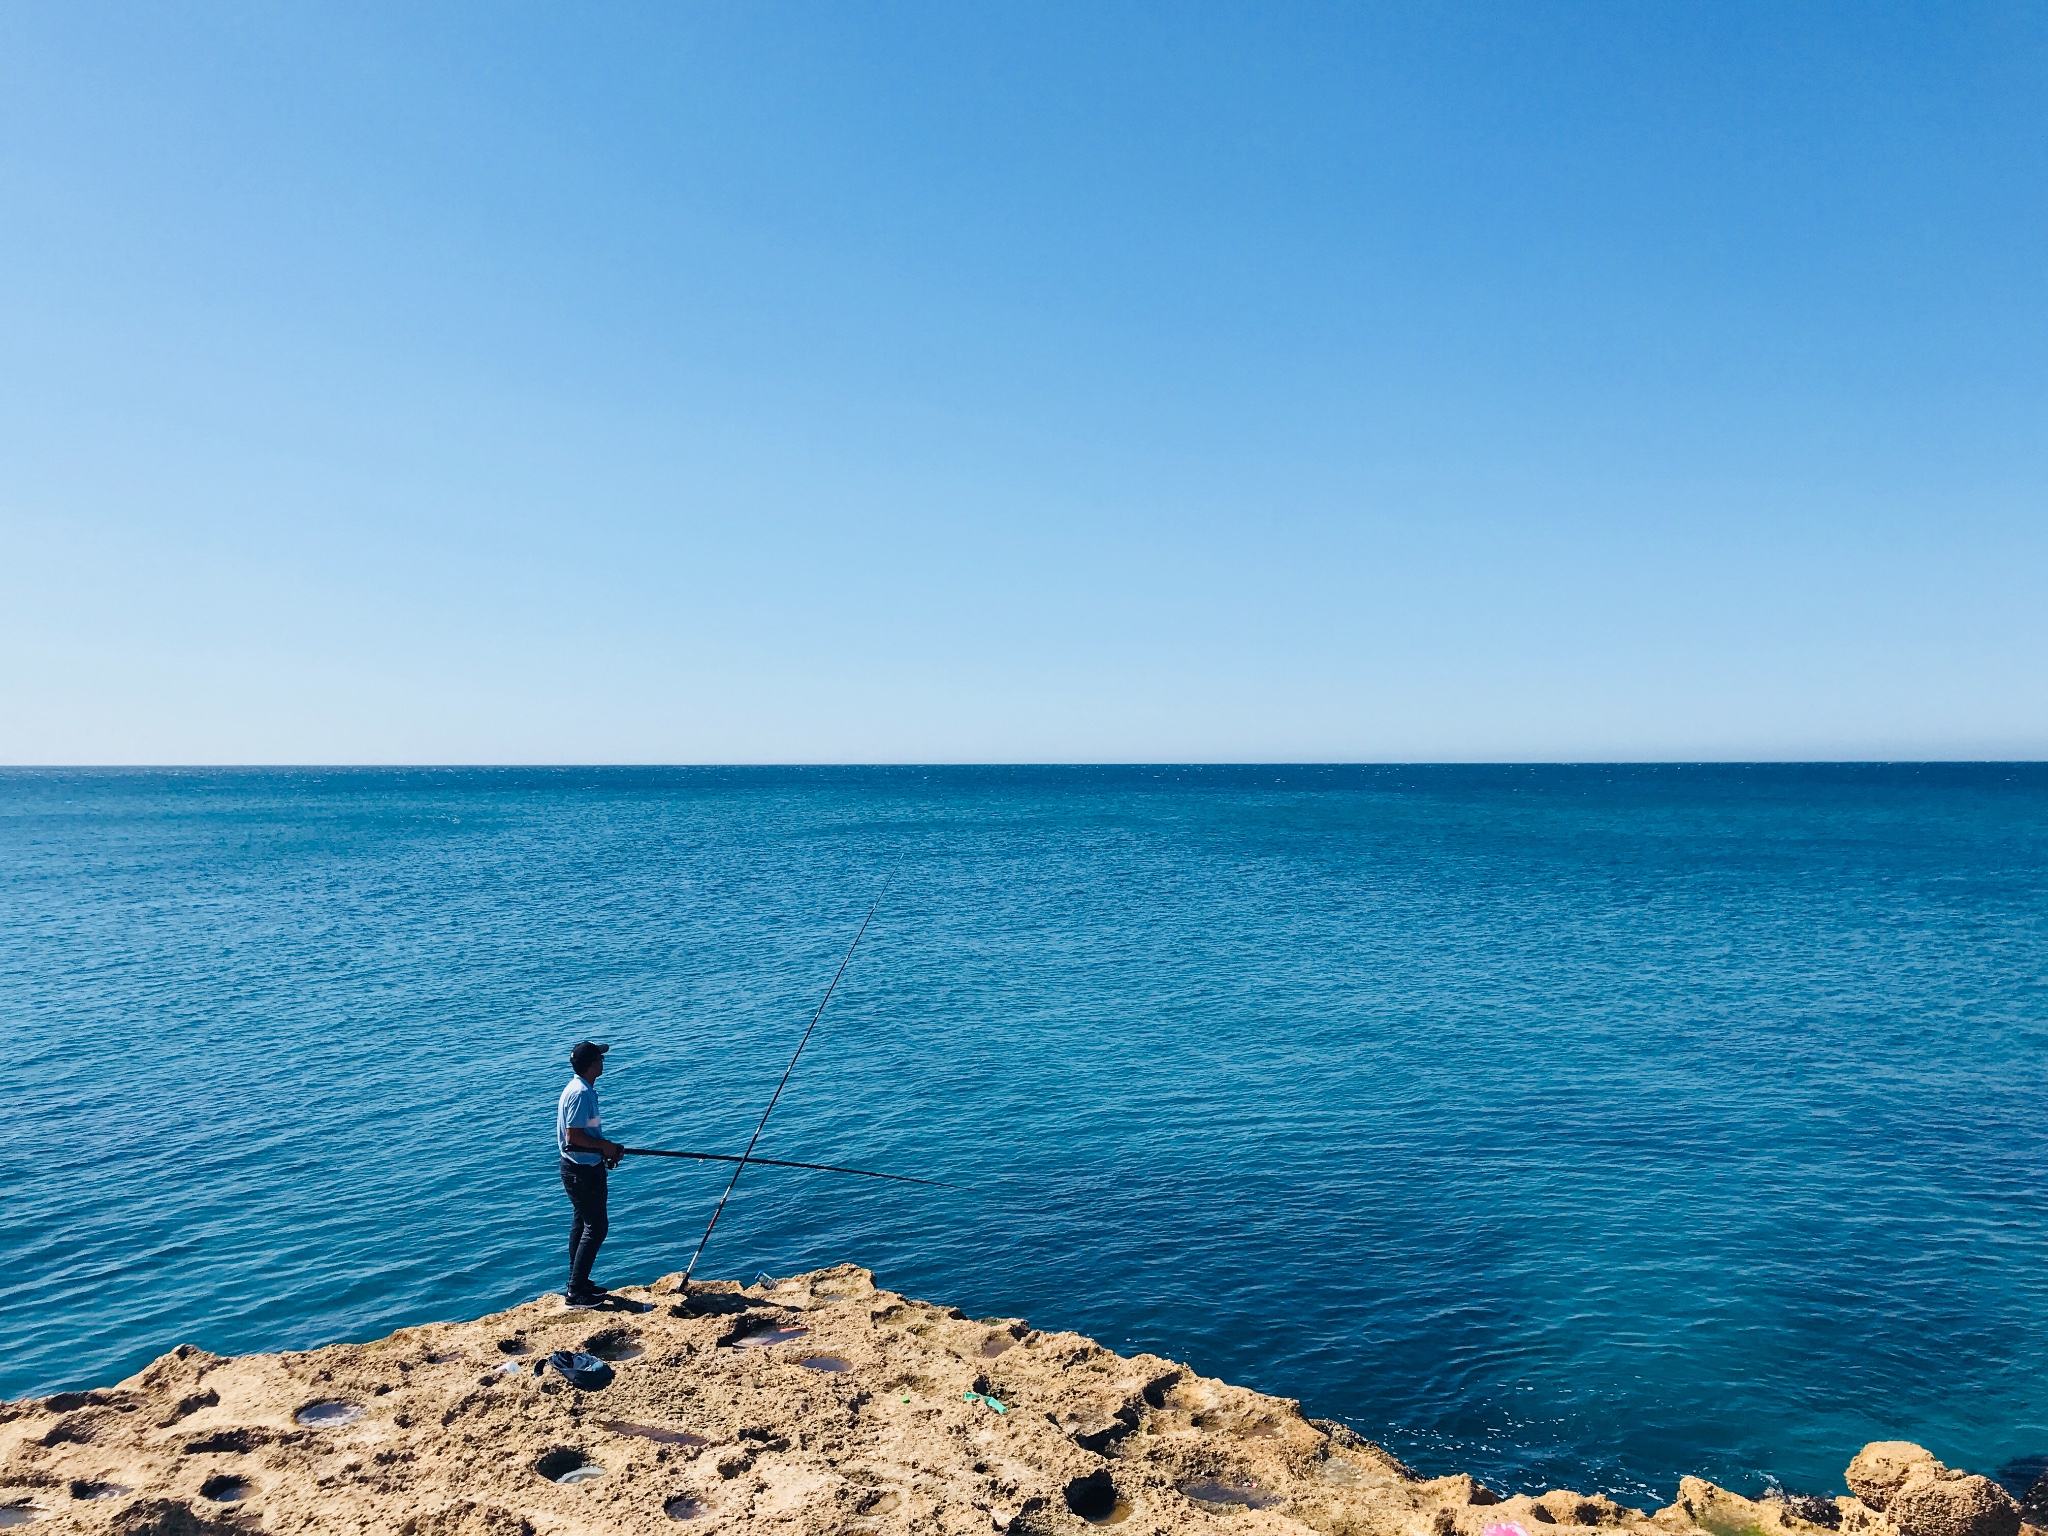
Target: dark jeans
column 586, row 1194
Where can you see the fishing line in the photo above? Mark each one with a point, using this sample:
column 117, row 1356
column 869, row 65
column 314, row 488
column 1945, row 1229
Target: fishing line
column 776, row 1162
column 690, row 1267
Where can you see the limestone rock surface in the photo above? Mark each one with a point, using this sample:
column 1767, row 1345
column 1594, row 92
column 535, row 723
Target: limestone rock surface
column 1919, row 1496
column 1954, row 1504
column 816, row 1406
column 1882, row 1468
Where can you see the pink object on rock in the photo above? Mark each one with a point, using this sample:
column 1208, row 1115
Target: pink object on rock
column 1505, row 1528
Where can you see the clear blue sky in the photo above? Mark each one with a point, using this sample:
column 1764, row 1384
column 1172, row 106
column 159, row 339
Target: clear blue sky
column 1028, row 382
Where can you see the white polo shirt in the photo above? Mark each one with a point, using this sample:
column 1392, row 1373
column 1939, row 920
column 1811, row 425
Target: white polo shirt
column 578, row 1107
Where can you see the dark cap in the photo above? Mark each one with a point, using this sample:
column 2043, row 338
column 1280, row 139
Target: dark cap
column 584, row 1050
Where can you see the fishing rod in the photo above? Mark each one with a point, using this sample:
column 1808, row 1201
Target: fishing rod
column 776, row 1162
column 747, row 1156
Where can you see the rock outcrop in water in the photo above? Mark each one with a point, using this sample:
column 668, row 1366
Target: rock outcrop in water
column 1924, row 1498
column 818, row 1405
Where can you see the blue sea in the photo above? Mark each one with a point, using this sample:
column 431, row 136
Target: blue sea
column 1573, row 1126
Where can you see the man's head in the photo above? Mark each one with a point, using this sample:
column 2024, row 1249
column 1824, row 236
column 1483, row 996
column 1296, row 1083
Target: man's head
column 588, row 1060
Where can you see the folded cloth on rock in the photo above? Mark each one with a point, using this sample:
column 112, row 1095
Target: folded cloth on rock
column 586, row 1372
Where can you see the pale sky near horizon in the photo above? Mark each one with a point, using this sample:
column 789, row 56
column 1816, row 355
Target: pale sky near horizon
column 1022, row 382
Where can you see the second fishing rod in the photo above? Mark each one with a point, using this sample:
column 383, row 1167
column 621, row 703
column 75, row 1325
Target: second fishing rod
column 748, row 1156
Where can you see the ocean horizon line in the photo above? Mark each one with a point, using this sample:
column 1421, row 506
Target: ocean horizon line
column 996, row 764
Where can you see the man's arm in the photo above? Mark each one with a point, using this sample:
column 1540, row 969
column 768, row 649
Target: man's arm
column 579, row 1137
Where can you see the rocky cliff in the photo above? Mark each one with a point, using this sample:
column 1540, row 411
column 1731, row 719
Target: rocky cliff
column 817, row 1405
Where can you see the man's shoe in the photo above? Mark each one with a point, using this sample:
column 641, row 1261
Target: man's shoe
column 583, row 1301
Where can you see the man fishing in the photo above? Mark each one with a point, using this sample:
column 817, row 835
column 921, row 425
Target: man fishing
column 586, row 1159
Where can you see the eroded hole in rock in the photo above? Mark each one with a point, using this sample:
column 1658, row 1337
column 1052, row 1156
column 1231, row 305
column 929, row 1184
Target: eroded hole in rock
column 884, row 1504
column 77, row 1431
column 226, row 1488
column 995, row 1344
column 567, row 1464
column 615, row 1345
column 684, row 1509
column 190, row 1405
column 85, row 1490
column 654, row 1432
column 17, row 1514
column 827, row 1363
column 1100, row 1438
column 514, row 1346
column 762, row 1338
column 329, row 1414
column 228, row 1442
column 1244, row 1492
column 1541, row 1515
column 1094, row 1499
